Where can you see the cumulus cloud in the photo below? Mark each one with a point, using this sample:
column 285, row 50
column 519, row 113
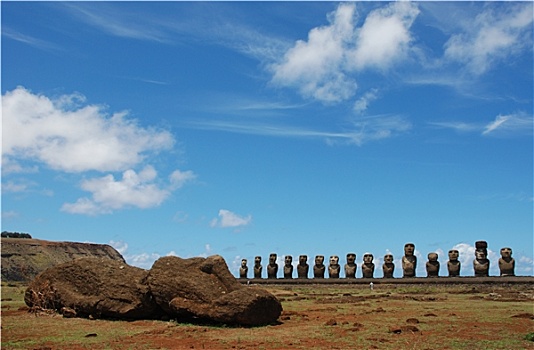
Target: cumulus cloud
column 66, row 136
column 228, row 219
column 323, row 67
column 385, row 36
column 495, row 34
column 134, row 189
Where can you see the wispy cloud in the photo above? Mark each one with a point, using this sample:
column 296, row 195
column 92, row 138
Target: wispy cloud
column 358, row 131
column 29, row 40
column 503, row 126
column 117, row 22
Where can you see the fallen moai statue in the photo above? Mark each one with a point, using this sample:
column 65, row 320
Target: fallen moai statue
column 181, row 289
column 205, row 288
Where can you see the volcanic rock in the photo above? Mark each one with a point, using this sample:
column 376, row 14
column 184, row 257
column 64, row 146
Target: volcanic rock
column 95, row 288
column 204, row 288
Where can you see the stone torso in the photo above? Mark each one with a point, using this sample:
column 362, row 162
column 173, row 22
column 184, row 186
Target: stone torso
column 318, row 271
column 350, row 270
column 272, row 270
column 388, row 269
column 302, row 270
column 507, row 267
column 333, row 271
column 409, row 264
column 481, row 267
column 432, row 268
column 454, row 268
column 368, row 269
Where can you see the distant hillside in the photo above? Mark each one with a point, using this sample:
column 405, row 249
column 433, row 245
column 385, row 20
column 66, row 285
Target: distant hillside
column 23, row 258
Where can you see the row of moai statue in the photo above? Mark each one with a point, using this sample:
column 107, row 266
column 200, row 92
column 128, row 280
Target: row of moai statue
column 481, row 264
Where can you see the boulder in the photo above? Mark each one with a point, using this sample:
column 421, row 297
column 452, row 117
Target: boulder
column 96, row 288
column 204, row 288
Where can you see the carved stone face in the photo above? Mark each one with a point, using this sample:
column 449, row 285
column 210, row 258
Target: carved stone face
column 351, row 258
column 288, row 260
column 272, row 259
column 368, row 258
column 432, row 257
column 506, row 252
column 409, row 248
column 257, row 260
column 244, row 263
column 480, row 254
column 388, row 258
column 303, row 259
column 453, row 255
column 319, row 259
column 334, row 260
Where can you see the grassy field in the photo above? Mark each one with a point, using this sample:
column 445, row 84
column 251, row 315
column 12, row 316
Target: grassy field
column 314, row 317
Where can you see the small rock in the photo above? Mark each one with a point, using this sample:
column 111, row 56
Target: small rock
column 412, row 320
column 331, row 322
column 91, row 335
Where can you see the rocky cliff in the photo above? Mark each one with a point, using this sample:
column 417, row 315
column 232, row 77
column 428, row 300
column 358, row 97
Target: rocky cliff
column 23, row 259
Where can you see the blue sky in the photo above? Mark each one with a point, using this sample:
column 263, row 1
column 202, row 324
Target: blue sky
column 243, row 129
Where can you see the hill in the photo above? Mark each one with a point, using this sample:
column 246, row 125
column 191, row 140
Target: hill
column 23, row 258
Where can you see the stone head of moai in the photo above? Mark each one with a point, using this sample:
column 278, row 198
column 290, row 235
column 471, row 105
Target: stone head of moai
column 409, row 249
column 334, row 260
column 481, row 254
column 368, row 258
column 272, row 259
column 433, row 257
column 506, row 253
column 351, row 259
column 319, row 260
column 453, row 255
column 243, row 263
column 288, row 260
column 303, row 260
column 388, row 259
column 506, row 262
column 257, row 260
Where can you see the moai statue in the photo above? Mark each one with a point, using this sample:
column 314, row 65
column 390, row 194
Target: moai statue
column 481, row 263
column 368, row 267
column 409, row 260
column 350, row 266
column 272, row 267
column 319, row 268
column 506, row 262
column 432, row 265
column 243, row 270
column 388, row 267
column 303, row 267
column 453, row 265
column 257, row 267
column 333, row 267
column 288, row 267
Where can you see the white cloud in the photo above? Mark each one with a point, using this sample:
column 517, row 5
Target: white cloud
column 134, row 189
column 228, row 219
column 509, row 124
column 323, row 66
column 385, row 36
column 495, row 34
column 503, row 125
column 9, row 214
column 467, row 255
column 66, row 136
column 119, row 246
column 315, row 66
column 361, row 105
column 374, row 128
